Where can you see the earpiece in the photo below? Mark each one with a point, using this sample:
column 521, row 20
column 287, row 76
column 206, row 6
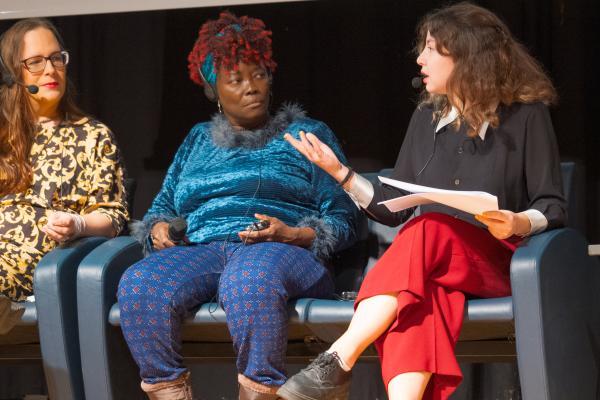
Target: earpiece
column 7, row 78
column 209, row 91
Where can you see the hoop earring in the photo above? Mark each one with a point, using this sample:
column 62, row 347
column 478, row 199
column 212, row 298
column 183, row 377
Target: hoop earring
column 219, row 107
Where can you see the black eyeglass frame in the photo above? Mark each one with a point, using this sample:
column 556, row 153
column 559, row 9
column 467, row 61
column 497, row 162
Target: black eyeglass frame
column 64, row 60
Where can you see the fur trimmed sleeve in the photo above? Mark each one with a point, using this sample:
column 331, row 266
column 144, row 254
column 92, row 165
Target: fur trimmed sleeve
column 325, row 240
column 141, row 230
column 163, row 205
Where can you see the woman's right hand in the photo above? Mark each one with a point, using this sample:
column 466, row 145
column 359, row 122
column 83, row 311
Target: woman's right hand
column 160, row 236
column 318, row 153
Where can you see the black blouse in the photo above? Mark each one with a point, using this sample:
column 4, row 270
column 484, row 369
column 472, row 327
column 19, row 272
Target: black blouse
column 518, row 162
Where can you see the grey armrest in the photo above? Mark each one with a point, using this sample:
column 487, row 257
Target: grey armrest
column 106, row 361
column 555, row 287
column 56, row 309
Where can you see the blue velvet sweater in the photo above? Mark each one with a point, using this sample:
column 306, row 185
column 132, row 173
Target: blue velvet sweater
column 220, row 178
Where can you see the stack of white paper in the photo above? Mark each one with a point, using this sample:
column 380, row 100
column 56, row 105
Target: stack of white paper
column 468, row 201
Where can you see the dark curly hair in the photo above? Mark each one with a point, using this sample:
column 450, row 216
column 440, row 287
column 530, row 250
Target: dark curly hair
column 490, row 66
column 231, row 40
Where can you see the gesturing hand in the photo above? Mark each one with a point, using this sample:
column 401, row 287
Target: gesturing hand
column 318, row 153
column 62, row 226
column 502, row 224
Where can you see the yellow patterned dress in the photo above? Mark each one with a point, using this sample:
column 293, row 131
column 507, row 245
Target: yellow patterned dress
column 76, row 168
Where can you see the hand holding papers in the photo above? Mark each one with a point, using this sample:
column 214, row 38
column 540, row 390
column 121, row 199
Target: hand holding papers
column 468, row 201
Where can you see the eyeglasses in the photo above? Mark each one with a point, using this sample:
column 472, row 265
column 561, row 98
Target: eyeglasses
column 38, row 63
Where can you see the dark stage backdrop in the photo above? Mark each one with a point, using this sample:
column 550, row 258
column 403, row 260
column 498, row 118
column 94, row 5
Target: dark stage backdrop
column 349, row 63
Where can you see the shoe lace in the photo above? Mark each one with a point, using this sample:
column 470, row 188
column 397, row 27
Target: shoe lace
column 325, row 364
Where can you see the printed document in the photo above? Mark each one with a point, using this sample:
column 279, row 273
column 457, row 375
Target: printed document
column 468, row 201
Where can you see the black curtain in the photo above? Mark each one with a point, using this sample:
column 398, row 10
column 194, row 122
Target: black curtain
column 349, row 63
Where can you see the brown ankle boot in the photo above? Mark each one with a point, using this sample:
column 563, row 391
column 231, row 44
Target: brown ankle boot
column 10, row 314
column 249, row 394
column 179, row 389
column 250, row 390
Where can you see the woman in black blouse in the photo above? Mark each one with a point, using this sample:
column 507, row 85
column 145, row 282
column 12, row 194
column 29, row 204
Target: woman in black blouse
column 482, row 124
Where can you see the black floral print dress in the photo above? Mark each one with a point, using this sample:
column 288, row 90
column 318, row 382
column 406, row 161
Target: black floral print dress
column 77, row 169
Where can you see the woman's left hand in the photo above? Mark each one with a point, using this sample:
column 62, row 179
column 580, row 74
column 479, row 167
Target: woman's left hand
column 502, row 224
column 278, row 231
column 63, row 226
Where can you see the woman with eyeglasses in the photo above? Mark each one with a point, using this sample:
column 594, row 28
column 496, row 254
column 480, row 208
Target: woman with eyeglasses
column 60, row 174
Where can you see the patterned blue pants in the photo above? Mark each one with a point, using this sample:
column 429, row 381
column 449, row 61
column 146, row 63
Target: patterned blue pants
column 253, row 283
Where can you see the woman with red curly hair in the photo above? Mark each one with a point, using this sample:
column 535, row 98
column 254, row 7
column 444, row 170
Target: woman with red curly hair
column 483, row 124
column 229, row 172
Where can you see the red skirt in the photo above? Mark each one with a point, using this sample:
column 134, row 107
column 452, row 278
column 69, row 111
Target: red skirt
column 432, row 263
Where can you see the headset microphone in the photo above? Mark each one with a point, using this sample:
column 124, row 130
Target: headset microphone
column 33, row 89
column 417, row 82
column 8, row 79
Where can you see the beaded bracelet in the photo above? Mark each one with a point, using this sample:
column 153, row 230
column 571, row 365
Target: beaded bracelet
column 347, row 177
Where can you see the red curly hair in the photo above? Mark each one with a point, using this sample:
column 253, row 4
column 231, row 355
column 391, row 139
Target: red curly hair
column 231, row 40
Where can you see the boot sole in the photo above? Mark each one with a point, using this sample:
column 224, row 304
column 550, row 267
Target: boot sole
column 288, row 394
column 9, row 317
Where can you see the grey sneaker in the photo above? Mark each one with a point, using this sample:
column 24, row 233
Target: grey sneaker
column 322, row 379
column 10, row 313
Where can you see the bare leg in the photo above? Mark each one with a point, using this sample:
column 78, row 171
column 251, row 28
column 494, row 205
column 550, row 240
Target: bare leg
column 373, row 317
column 325, row 377
column 408, row 386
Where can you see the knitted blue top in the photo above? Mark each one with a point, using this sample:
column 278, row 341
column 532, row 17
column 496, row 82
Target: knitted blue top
column 220, row 178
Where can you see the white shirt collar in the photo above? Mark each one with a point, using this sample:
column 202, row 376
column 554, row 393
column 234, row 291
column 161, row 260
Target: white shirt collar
column 452, row 115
